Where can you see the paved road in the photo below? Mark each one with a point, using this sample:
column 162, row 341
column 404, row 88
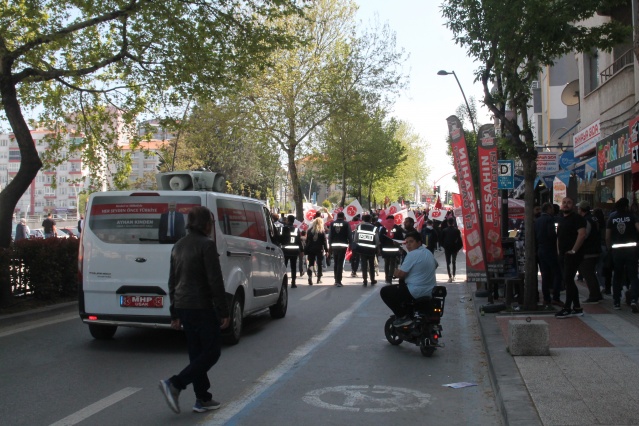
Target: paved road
column 327, row 362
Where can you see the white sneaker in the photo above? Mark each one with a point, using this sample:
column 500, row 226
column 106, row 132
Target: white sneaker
column 450, row 280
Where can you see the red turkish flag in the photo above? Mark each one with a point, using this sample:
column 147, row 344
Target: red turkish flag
column 438, row 204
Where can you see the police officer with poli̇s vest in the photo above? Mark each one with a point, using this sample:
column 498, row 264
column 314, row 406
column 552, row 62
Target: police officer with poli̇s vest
column 622, row 233
column 366, row 243
column 291, row 244
column 339, row 239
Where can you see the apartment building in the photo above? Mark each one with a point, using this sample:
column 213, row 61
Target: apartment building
column 71, row 175
column 583, row 110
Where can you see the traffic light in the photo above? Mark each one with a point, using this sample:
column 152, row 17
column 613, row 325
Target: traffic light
column 446, row 197
column 436, row 189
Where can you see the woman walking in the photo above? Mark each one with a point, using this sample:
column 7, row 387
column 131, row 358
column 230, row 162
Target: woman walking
column 316, row 245
column 452, row 243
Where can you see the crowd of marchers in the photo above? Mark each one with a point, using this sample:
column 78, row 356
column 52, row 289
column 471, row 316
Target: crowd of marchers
column 361, row 242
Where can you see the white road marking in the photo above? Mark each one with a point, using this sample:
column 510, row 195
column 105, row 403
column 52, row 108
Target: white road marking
column 369, row 399
column 37, row 324
column 313, row 294
column 96, row 407
column 269, row 378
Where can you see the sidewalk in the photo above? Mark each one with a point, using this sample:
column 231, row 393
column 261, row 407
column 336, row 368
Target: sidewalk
column 589, row 378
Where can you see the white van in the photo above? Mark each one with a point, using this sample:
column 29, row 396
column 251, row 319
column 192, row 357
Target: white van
column 125, row 252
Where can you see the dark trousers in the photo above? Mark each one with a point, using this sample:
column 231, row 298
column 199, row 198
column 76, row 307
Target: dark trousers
column 311, row 262
column 550, row 273
column 451, row 255
column 587, row 269
column 202, row 330
column 293, row 260
column 395, row 296
column 354, row 261
column 625, row 265
column 570, row 264
column 338, row 263
column 368, row 266
column 390, row 264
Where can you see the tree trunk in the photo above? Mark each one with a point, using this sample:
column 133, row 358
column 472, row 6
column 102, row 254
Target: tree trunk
column 30, row 163
column 343, row 202
column 295, row 183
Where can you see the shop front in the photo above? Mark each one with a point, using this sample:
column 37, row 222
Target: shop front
column 614, row 170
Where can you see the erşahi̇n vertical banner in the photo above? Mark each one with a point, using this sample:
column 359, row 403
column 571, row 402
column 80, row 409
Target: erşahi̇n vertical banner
column 475, row 265
column 490, row 206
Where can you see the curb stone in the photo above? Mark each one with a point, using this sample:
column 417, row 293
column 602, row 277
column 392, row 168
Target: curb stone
column 511, row 394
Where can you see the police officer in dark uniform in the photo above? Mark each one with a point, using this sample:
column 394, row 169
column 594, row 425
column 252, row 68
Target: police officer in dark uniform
column 622, row 232
column 366, row 245
column 339, row 238
column 291, row 244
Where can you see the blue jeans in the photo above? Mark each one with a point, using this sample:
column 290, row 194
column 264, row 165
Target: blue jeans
column 202, row 329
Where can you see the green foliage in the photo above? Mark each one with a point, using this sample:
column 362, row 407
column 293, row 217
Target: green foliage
column 93, row 67
column 218, row 136
column 46, row 269
column 312, row 83
column 513, row 41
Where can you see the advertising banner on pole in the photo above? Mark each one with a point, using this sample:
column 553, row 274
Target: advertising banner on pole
column 490, row 206
column 475, row 264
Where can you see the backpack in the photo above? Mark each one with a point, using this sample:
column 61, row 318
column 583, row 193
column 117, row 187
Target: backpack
column 365, row 240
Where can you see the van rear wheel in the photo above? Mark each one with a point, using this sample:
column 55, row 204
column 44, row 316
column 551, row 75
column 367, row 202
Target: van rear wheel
column 102, row 332
column 235, row 327
column 279, row 309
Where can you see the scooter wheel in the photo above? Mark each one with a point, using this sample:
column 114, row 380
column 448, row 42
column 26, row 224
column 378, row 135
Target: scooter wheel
column 391, row 333
column 425, row 349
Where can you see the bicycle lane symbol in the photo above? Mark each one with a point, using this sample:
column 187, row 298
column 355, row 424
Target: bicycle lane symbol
column 368, row 399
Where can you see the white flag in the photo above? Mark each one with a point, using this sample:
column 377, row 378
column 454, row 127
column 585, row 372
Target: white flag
column 352, row 210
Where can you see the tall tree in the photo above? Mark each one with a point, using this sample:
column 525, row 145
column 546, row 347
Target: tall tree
column 306, row 86
column 80, row 59
column 217, row 136
column 404, row 168
column 512, row 41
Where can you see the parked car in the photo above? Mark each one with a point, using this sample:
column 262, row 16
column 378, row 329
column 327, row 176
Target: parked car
column 71, row 232
column 36, row 233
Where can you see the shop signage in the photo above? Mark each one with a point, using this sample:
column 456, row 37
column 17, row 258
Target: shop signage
column 559, row 190
column 567, row 160
column 586, row 140
column 547, row 162
column 475, row 259
column 613, row 154
column 634, row 143
column 506, row 174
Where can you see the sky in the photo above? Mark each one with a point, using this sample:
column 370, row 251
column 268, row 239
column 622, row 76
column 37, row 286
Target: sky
column 430, row 98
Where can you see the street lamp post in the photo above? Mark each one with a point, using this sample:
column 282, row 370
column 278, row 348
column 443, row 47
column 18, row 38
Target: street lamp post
column 470, row 114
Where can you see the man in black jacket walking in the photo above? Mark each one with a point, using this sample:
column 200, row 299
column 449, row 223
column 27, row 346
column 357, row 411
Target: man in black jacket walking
column 198, row 301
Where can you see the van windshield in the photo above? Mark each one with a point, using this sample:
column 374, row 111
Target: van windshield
column 140, row 219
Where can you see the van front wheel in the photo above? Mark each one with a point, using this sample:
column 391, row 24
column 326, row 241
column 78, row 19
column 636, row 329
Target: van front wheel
column 102, row 332
column 235, row 327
